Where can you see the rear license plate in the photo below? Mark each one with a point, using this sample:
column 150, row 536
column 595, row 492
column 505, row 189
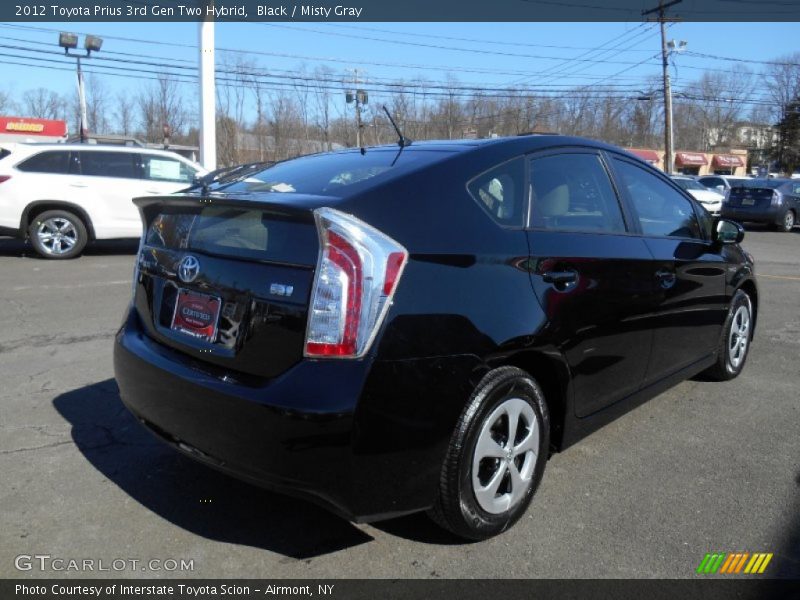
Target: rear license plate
column 748, row 201
column 196, row 315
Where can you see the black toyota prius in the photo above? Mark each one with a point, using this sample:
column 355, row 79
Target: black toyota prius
column 417, row 327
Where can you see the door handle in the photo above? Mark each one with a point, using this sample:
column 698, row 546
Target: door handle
column 79, row 185
column 562, row 280
column 560, row 277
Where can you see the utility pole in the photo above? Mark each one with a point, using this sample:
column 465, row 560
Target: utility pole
column 360, row 97
column 668, row 136
column 208, row 109
column 84, row 126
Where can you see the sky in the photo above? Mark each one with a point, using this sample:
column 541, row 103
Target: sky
column 547, row 55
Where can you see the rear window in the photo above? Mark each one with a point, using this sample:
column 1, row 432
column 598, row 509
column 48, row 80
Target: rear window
column 332, row 174
column 107, row 164
column 55, row 161
column 759, row 183
column 237, row 233
column 4, row 153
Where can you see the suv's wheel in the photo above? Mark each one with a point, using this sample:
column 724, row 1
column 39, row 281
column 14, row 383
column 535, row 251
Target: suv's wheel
column 788, row 221
column 58, row 234
column 736, row 337
column 496, row 457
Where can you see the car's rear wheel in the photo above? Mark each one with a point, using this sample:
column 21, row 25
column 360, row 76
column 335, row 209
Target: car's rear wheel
column 789, row 220
column 496, row 457
column 736, row 337
column 58, row 234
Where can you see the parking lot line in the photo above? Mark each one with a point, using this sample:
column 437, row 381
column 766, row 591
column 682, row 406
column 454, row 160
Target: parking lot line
column 788, row 277
column 69, row 286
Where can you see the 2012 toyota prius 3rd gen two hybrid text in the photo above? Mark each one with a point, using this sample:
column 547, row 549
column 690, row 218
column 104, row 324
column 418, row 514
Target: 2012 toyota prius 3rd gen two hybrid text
column 408, row 328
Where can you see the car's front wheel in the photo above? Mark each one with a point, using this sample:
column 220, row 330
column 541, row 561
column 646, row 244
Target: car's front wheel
column 737, row 335
column 58, row 234
column 496, row 457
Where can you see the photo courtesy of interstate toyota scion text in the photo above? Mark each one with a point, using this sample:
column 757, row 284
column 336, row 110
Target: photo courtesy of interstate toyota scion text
column 418, row 326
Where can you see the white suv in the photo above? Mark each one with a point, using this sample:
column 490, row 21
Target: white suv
column 61, row 196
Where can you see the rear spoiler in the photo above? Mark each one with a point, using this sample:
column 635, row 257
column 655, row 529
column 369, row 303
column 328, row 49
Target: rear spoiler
column 291, row 207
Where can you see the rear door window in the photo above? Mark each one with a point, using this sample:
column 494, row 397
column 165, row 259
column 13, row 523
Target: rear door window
column 501, row 192
column 572, row 192
column 55, row 161
column 108, row 164
column 661, row 209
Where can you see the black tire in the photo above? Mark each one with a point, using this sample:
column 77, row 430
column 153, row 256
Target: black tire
column 457, row 508
column 725, row 369
column 73, row 234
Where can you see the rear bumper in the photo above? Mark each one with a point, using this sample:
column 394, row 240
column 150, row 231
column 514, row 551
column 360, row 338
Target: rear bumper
column 772, row 214
column 301, row 433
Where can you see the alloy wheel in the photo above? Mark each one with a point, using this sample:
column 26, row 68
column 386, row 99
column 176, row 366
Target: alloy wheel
column 505, row 456
column 57, row 235
column 739, row 336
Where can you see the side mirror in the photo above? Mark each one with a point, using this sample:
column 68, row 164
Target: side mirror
column 729, row 232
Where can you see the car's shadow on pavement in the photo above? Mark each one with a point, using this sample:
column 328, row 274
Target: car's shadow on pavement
column 20, row 248
column 190, row 495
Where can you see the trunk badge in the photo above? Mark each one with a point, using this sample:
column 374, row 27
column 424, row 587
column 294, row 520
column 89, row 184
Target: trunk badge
column 279, row 289
column 188, row 269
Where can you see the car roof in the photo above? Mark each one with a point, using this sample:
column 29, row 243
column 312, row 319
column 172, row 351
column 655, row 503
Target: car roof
column 31, row 147
column 518, row 144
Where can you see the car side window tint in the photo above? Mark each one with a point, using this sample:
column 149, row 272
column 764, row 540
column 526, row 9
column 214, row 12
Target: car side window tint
column 108, row 164
column 163, row 168
column 56, row 161
column 572, row 192
column 662, row 210
column 501, row 192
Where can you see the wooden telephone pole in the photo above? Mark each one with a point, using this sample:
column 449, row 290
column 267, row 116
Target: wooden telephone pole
column 669, row 150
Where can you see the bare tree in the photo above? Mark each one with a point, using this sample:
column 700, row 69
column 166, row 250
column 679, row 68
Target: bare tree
column 43, row 104
column 162, row 104
column 322, row 103
column 7, row 105
column 96, row 104
column 124, row 114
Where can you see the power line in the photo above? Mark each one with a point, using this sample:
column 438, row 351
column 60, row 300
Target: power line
column 429, row 67
column 434, row 46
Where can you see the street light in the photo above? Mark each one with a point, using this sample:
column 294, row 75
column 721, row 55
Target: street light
column 92, row 43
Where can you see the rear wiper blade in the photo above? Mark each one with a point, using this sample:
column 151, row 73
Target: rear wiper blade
column 228, row 175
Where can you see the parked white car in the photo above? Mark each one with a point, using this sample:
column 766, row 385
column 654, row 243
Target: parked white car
column 61, row 196
column 711, row 200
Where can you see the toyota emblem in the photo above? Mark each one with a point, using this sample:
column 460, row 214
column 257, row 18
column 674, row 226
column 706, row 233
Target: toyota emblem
column 189, row 268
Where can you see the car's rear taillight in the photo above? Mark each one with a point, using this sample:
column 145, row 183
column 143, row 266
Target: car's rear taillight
column 777, row 198
column 4, row 178
column 357, row 274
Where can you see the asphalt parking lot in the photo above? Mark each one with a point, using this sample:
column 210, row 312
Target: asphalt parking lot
column 705, row 467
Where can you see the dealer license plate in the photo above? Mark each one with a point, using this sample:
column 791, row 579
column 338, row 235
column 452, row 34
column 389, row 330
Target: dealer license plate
column 196, row 315
column 748, row 201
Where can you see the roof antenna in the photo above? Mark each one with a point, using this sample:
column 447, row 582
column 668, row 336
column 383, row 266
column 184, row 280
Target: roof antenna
column 402, row 141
